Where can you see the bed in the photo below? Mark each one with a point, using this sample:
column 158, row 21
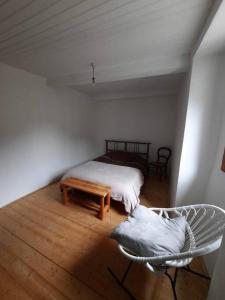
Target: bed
column 123, row 168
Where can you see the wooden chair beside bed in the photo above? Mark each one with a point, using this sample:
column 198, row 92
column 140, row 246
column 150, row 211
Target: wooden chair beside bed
column 118, row 173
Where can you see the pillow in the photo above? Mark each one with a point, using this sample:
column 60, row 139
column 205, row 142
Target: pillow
column 147, row 234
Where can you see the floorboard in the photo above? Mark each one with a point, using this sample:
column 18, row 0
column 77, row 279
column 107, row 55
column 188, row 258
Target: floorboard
column 52, row 251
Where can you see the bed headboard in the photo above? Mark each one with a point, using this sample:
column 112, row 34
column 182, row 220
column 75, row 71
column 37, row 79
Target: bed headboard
column 140, row 148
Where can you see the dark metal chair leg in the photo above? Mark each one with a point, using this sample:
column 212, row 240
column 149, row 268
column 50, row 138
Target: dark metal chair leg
column 175, row 276
column 120, row 282
column 173, row 282
column 188, row 269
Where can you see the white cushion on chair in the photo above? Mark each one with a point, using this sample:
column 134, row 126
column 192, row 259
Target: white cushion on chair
column 147, row 234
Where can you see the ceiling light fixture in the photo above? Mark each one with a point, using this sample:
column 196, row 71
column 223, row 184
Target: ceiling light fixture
column 93, row 73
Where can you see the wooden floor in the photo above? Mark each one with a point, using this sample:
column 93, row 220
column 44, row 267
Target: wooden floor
column 52, row 251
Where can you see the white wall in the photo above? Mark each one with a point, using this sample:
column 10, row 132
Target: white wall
column 200, row 179
column 179, row 135
column 201, row 134
column 215, row 190
column 145, row 119
column 43, row 131
column 216, row 195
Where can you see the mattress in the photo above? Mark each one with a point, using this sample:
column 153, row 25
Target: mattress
column 125, row 181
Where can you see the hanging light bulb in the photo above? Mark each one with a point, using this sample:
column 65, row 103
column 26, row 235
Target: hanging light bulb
column 93, row 73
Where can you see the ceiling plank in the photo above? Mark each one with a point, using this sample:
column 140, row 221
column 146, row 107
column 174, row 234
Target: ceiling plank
column 16, row 21
column 157, row 22
column 50, row 18
column 11, row 8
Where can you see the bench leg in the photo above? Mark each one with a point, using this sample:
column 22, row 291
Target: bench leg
column 65, row 195
column 108, row 201
column 102, row 206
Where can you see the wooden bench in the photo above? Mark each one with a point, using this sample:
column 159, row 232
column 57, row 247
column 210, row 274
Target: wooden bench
column 104, row 192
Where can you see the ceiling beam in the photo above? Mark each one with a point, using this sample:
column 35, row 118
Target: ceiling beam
column 132, row 70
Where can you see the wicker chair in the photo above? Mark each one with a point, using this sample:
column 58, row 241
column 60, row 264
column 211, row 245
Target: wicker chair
column 204, row 231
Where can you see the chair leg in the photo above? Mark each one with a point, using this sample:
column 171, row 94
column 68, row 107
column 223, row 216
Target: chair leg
column 173, row 282
column 188, row 269
column 165, row 172
column 160, row 173
column 120, row 282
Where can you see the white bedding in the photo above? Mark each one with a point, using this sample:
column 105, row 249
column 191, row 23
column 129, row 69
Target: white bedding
column 125, row 182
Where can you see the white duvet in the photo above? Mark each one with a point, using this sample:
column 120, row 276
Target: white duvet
column 125, row 182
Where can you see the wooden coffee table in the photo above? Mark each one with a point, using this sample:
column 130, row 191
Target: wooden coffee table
column 104, row 192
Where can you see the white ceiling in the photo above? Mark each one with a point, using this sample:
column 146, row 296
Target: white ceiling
column 124, row 38
column 139, row 87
